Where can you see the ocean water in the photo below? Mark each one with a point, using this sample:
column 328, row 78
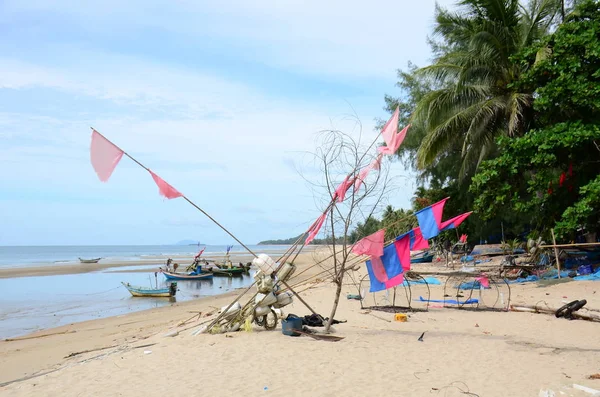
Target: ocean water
column 19, row 256
column 30, row 304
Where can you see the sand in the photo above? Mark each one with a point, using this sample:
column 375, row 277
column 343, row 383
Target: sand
column 485, row 353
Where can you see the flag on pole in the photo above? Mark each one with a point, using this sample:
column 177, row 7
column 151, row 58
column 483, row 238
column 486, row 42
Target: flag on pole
column 314, row 229
column 393, row 139
column 417, row 242
column 430, row 219
column 340, row 192
column 455, row 222
column 362, row 175
column 371, row 245
column 104, row 155
column 387, row 271
column 199, row 253
column 165, row 190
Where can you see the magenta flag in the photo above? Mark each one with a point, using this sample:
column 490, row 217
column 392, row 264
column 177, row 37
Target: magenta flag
column 371, row 245
column 430, row 219
column 314, row 229
column 362, row 175
column 455, row 222
column 199, row 253
column 484, row 281
column 104, row 155
column 390, row 130
column 165, row 190
column 417, row 242
column 340, row 192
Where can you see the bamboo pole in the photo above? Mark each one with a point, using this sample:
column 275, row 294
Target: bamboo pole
column 555, row 252
column 571, row 245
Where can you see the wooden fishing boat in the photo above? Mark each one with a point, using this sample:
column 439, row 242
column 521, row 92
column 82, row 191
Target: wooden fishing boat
column 226, row 271
column 151, row 292
column 424, row 257
column 188, row 276
column 94, row 260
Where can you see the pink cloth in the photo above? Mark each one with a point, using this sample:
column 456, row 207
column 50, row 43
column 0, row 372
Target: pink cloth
column 483, row 280
column 393, row 139
column 463, row 238
column 165, row 190
column 104, row 155
column 371, row 245
column 362, row 175
column 340, row 192
column 314, row 229
column 381, row 275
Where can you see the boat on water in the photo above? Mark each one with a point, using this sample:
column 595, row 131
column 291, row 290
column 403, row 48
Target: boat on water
column 226, row 271
column 187, row 276
column 151, row 292
column 93, row 260
column 422, row 257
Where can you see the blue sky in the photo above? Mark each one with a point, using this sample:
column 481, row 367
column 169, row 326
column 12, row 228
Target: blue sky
column 219, row 98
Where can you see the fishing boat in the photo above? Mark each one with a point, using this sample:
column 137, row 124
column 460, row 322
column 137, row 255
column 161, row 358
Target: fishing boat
column 94, row 260
column 422, row 257
column 151, row 292
column 226, row 271
column 187, row 276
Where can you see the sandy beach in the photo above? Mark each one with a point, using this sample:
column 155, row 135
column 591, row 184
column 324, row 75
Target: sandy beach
column 480, row 352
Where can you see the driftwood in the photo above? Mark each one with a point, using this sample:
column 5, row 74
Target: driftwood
column 38, row 336
column 551, row 311
column 89, row 351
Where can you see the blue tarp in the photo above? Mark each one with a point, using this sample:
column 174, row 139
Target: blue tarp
column 428, row 280
column 589, row 277
column 470, row 285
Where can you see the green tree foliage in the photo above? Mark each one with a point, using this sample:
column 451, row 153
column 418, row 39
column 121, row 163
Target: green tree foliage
column 475, row 100
column 550, row 175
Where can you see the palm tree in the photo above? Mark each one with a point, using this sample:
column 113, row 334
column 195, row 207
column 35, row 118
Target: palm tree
column 476, row 100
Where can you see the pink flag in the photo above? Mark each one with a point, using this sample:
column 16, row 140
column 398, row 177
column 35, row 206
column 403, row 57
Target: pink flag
column 390, row 129
column 393, row 146
column 362, row 175
column 455, row 222
column 484, row 281
column 105, row 156
column 340, row 192
column 371, row 245
column 314, row 229
column 165, row 190
column 199, row 253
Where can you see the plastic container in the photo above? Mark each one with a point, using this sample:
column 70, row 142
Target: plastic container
column 286, row 271
column 236, row 307
column 283, row 299
column 401, row 317
column 265, row 264
column 290, row 325
column 265, row 299
column 262, row 311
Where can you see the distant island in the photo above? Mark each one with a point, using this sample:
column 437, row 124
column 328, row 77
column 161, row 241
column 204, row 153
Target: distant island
column 292, row 240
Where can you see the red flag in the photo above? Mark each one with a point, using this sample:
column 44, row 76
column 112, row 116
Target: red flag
column 314, row 229
column 104, row 155
column 340, row 192
column 455, row 222
column 371, row 245
column 165, row 190
column 362, row 175
column 199, row 253
column 417, row 242
column 463, row 238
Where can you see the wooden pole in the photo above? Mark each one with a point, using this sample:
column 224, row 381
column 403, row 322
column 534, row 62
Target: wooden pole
column 571, row 245
column 555, row 252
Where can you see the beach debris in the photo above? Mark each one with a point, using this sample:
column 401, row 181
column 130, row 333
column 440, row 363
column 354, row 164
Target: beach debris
column 421, row 337
column 547, row 393
column 476, row 325
column 39, row 336
column 147, row 351
column 327, row 338
column 548, row 310
column 400, row 317
column 586, row 389
column 567, row 310
column 353, row 296
column 89, row 351
column 171, row 334
column 594, row 376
